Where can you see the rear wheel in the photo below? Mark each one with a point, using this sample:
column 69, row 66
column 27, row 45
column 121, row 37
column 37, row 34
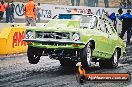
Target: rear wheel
column 34, row 54
column 114, row 59
column 86, row 56
column 110, row 63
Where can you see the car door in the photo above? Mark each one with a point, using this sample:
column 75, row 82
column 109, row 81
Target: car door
column 102, row 44
column 112, row 38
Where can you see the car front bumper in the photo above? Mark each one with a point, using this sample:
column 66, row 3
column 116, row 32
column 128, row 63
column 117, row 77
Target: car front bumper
column 55, row 44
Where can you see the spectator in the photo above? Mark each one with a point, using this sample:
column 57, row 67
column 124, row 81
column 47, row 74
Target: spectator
column 30, row 13
column 129, row 4
column 89, row 11
column 120, row 11
column 106, row 2
column 12, row 10
column 96, row 2
column 38, row 11
column 74, row 11
column 126, row 25
column 113, row 19
column 89, row 3
column 77, row 2
column 92, row 3
column 66, row 2
column 119, row 23
column 2, row 9
column 72, row 2
column 8, row 13
column 85, row 2
column 123, row 4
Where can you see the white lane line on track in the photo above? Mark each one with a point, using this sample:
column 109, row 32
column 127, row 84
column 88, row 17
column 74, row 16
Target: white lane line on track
column 122, row 64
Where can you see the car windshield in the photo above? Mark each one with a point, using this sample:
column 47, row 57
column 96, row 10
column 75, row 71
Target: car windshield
column 86, row 21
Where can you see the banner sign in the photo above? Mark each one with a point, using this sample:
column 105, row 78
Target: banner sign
column 48, row 11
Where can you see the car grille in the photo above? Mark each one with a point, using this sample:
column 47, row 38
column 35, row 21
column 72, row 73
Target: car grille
column 54, row 44
column 53, row 35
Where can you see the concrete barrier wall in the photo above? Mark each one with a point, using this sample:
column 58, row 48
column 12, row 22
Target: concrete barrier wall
column 2, row 25
column 11, row 39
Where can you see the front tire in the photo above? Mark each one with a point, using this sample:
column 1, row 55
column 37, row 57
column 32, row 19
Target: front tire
column 34, row 54
column 86, row 56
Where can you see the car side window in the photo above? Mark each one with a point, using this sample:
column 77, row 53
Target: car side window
column 84, row 22
column 88, row 22
column 109, row 28
column 94, row 22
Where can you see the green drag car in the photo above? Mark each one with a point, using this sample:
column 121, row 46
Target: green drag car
column 73, row 38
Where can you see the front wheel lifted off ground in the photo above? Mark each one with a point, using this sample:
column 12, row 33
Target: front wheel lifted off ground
column 34, row 54
column 86, row 56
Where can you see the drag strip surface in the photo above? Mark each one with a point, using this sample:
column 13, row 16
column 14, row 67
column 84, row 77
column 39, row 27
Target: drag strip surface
column 15, row 71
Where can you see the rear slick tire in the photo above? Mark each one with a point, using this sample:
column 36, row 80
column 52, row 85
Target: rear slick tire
column 114, row 60
column 110, row 63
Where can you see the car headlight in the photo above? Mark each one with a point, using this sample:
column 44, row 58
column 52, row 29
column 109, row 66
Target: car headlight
column 76, row 37
column 29, row 34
